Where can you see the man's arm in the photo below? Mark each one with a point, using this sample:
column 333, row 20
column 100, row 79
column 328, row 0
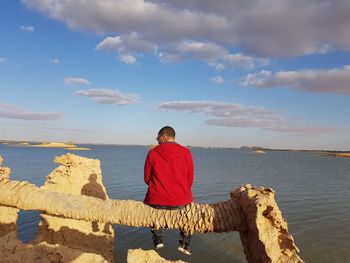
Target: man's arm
column 147, row 169
column 190, row 174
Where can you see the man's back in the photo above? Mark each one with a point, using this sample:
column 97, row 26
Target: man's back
column 169, row 174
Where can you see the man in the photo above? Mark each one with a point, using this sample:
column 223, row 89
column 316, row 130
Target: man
column 169, row 174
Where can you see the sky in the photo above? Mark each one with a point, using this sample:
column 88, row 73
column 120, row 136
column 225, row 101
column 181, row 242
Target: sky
column 269, row 73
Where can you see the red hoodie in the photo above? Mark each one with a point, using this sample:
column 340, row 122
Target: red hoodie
column 169, row 174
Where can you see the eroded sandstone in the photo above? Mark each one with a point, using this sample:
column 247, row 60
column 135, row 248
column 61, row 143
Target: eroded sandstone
column 13, row 250
column 8, row 215
column 59, row 239
column 147, row 256
column 266, row 238
column 77, row 176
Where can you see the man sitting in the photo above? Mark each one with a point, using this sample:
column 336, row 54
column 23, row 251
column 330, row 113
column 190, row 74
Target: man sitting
column 169, row 174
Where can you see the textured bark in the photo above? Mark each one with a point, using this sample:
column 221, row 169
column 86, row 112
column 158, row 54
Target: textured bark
column 220, row 217
column 251, row 211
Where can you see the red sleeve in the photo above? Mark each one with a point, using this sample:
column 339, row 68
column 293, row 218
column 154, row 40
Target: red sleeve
column 147, row 169
column 190, row 169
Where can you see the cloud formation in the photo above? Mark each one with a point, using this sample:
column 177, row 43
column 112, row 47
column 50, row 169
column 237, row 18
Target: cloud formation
column 335, row 80
column 2, row 60
column 199, row 50
column 76, row 81
column 241, row 116
column 10, row 111
column 27, row 28
column 109, row 96
column 217, row 66
column 215, row 55
column 264, row 29
column 217, row 80
column 181, row 50
column 131, row 43
column 127, row 59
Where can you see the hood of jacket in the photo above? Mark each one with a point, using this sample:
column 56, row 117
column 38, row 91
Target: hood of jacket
column 169, row 151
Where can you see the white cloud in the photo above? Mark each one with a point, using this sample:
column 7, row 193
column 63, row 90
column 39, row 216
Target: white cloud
column 335, row 80
column 169, row 58
column 54, row 61
column 76, row 81
column 2, row 60
column 244, row 61
column 216, row 56
column 27, row 28
column 109, row 96
column 265, row 28
column 237, row 115
column 128, row 59
column 188, row 49
column 217, row 66
column 132, row 42
column 200, row 50
column 10, row 111
column 217, row 79
column 257, row 79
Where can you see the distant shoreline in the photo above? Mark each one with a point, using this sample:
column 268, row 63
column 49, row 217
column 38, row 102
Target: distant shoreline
column 73, row 145
column 66, row 146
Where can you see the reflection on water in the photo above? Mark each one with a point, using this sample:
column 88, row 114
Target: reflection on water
column 312, row 192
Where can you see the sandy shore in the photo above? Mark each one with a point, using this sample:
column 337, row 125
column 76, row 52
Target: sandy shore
column 343, row 155
column 55, row 145
column 77, row 148
column 66, row 146
column 259, row 151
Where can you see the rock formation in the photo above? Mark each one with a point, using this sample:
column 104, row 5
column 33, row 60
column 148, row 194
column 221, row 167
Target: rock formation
column 147, row 256
column 60, row 239
column 8, row 215
column 266, row 238
column 13, row 250
column 77, row 176
column 251, row 211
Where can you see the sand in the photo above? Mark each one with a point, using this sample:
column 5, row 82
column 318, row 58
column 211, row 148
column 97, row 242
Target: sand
column 55, row 145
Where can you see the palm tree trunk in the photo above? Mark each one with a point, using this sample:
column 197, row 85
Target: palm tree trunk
column 219, row 217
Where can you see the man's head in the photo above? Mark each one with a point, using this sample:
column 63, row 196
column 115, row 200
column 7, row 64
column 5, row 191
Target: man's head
column 166, row 134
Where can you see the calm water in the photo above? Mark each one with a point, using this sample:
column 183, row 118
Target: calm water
column 313, row 193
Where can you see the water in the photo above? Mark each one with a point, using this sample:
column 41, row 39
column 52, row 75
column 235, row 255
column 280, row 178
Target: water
column 312, row 191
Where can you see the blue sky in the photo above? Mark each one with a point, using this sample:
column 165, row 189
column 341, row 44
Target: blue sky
column 222, row 73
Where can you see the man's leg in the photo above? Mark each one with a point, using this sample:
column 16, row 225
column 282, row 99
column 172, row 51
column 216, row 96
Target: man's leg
column 184, row 243
column 157, row 238
column 157, row 233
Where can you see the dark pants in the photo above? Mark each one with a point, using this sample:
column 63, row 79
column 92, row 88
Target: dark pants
column 184, row 238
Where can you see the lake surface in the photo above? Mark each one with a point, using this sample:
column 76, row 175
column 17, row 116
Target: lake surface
column 312, row 191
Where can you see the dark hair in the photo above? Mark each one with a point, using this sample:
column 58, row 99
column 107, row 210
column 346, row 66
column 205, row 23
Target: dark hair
column 167, row 130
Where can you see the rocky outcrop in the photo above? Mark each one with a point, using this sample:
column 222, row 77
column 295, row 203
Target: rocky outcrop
column 4, row 171
column 266, row 237
column 251, row 211
column 13, row 250
column 77, row 176
column 147, row 256
column 59, row 239
column 8, row 215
